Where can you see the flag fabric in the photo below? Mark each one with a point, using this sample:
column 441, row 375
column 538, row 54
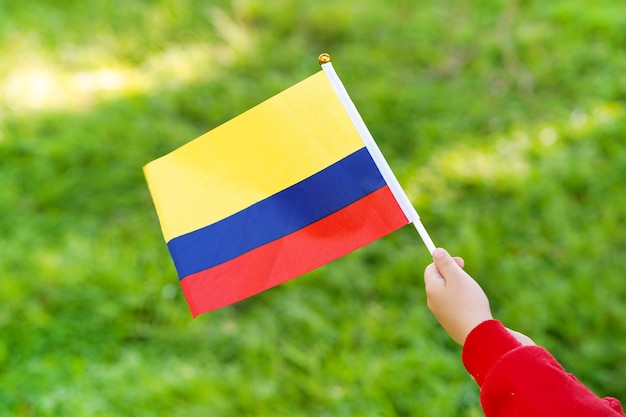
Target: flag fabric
column 276, row 192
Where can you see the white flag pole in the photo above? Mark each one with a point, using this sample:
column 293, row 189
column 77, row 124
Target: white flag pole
column 372, row 147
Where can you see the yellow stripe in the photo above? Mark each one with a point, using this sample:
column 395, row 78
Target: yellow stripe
column 270, row 147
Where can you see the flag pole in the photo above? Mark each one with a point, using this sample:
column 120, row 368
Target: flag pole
column 424, row 235
column 391, row 180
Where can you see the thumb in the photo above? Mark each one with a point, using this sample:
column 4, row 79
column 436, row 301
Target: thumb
column 446, row 264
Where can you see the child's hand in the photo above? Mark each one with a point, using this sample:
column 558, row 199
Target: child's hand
column 455, row 299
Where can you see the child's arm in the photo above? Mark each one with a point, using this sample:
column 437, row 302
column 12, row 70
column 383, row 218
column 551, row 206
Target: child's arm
column 517, row 380
column 516, row 377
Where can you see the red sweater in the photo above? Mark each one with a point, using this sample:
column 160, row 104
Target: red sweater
column 518, row 380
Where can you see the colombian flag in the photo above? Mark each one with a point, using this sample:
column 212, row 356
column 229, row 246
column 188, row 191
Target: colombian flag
column 279, row 190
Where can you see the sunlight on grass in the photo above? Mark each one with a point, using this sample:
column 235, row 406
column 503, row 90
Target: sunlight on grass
column 582, row 122
column 52, row 88
column 506, row 161
column 42, row 87
column 39, row 80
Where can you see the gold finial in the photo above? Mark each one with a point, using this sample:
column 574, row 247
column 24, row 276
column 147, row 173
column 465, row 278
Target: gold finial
column 323, row 58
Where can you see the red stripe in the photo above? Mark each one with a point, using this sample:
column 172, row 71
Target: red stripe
column 358, row 224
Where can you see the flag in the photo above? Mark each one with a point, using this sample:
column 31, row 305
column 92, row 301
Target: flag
column 281, row 189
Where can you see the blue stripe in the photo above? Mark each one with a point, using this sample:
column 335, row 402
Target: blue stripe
column 285, row 212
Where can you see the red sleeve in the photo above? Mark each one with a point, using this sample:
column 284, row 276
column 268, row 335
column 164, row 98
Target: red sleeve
column 518, row 380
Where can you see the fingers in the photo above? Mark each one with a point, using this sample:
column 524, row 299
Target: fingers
column 432, row 275
column 446, row 264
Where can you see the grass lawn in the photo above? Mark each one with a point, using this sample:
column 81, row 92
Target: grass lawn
column 504, row 121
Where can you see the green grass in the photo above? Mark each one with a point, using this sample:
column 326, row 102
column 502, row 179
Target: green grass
column 504, row 121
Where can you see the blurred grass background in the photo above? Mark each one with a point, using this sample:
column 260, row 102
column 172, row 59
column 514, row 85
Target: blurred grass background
column 504, row 120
